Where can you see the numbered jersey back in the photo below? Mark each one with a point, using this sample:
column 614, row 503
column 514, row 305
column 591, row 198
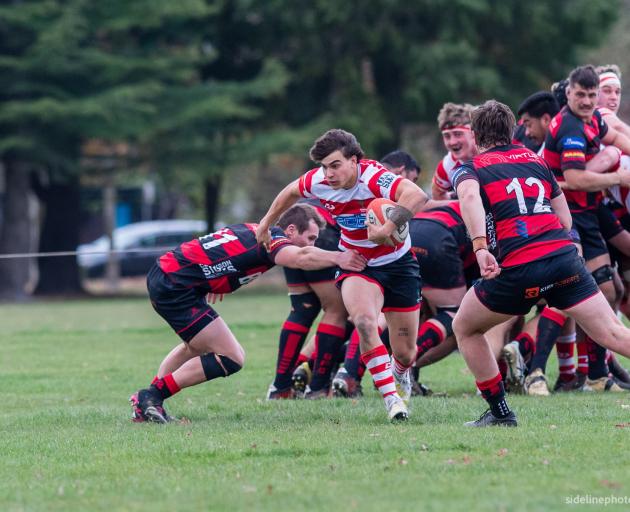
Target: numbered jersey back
column 223, row 261
column 516, row 187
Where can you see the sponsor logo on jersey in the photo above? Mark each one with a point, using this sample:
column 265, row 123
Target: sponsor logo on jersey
column 491, row 231
column 532, row 293
column 218, row 269
column 356, row 221
column 385, row 180
column 459, row 172
column 572, row 143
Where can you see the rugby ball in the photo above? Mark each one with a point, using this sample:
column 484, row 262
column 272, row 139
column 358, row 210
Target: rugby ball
column 378, row 212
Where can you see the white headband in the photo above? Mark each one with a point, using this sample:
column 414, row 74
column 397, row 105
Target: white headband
column 609, row 78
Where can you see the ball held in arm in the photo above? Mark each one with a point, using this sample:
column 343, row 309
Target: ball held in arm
column 380, row 210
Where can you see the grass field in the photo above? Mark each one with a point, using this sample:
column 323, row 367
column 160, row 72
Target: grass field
column 67, row 369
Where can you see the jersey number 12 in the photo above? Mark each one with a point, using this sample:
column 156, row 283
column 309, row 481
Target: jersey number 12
column 515, row 186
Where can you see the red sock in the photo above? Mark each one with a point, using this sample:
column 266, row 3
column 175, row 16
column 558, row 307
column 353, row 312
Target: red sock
column 565, row 346
column 399, row 368
column 377, row 362
column 165, row 387
column 582, row 353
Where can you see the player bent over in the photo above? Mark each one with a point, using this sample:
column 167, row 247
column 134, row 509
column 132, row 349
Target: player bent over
column 512, row 205
column 220, row 263
column 345, row 184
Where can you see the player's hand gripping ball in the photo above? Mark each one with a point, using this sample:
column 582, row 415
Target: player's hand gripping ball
column 378, row 212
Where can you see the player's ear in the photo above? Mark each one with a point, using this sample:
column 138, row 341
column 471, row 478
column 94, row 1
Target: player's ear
column 290, row 230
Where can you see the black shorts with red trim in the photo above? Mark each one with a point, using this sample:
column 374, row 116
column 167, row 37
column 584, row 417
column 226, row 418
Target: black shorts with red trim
column 587, row 226
column 186, row 310
column 399, row 282
column 328, row 240
column 438, row 251
column 561, row 279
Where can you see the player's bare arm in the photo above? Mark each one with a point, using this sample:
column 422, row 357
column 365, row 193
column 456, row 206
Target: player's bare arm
column 589, row 181
column 283, row 201
column 616, row 138
column 438, row 193
column 410, row 199
column 561, row 209
column 474, row 218
column 313, row 258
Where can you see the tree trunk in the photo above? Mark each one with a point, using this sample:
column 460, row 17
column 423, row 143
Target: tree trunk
column 60, row 232
column 15, row 232
column 213, row 193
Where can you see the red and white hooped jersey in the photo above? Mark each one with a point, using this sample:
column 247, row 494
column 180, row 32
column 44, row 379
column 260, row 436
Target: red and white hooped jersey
column 442, row 177
column 348, row 207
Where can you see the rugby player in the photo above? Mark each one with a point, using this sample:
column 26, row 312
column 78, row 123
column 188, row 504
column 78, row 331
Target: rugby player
column 572, row 151
column 512, row 205
column 220, row 263
column 346, row 183
column 459, row 141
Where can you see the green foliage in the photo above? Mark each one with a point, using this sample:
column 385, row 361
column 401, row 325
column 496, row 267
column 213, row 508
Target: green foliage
column 68, row 443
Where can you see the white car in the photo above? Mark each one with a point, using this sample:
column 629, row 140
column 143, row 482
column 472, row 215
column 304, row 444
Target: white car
column 145, row 242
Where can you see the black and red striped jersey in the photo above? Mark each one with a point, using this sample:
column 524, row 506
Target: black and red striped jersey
column 223, row 261
column 570, row 143
column 450, row 217
column 516, row 188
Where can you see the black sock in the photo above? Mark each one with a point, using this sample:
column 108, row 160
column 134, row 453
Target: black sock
column 292, row 339
column 330, row 338
column 352, row 361
column 597, row 366
column 549, row 327
column 493, row 392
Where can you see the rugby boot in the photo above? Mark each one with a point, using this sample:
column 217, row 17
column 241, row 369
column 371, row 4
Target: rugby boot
column 515, row 378
column 274, row 393
column 403, row 384
column 345, row 386
column 605, row 384
column 301, row 378
column 396, row 408
column 487, row 419
column 319, row 394
column 148, row 407
column 536, row 384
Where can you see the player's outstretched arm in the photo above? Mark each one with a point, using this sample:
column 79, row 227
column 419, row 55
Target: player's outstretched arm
column 313, row 258
column 283, row 201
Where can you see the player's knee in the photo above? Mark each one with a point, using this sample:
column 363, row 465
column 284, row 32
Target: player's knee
column 459, row 327
column 366, row 325
column 232, row 365
column 218, row 365
column 304, row 308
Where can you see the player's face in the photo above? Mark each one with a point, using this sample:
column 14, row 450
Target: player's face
column 306, row 238
column 340, row 172
column 609, row 97
column 536, row 127
column 460, row 142
column 410, row 174
column 582, row 101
